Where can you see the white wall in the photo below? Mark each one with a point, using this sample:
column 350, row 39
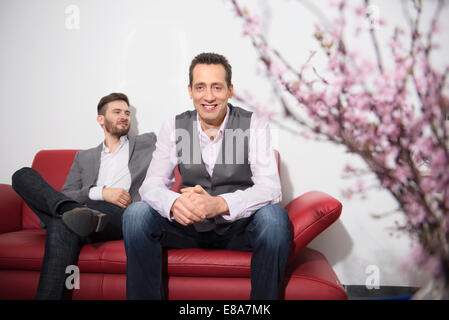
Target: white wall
column 51, row 78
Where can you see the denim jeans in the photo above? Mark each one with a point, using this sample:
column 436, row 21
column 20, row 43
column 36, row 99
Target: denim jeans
column 62, row 246
column 266, row 233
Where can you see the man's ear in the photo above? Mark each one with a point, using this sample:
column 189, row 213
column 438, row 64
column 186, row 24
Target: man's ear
column 231, row 91
column 100, row 119
column 189, row 88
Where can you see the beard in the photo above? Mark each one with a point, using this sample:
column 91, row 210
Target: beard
column 114, row 130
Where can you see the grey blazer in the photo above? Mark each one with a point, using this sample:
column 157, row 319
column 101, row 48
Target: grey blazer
column 86, row 165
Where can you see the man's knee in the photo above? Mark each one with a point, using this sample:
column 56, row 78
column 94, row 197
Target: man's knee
column 273, row 215
column 274, row 222
column 17, row 176
column 138, row 216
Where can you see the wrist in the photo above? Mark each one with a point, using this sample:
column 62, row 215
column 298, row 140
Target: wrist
column 221, row 205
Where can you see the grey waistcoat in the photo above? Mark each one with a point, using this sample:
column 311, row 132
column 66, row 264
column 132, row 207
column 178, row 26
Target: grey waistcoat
column 232, row 170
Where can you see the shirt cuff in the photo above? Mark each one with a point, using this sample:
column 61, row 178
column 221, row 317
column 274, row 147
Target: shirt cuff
column 236, row 206
column 96, row 193
column 171, row 198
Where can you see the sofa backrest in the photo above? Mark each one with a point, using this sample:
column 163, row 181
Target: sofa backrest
column 54, row 166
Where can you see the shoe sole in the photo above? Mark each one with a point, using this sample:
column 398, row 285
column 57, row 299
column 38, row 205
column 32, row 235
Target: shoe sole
column 84, row 222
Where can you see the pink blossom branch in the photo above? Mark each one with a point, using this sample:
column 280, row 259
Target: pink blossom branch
column 369, row 113
column 374, row 41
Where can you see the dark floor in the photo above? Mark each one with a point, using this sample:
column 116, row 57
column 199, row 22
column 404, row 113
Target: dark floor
column 383, row 293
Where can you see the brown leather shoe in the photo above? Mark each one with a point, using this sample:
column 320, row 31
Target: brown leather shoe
column 84, row 221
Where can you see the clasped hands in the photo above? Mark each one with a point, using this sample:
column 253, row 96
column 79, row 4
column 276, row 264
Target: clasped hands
column 119, row 197
column 196, row 205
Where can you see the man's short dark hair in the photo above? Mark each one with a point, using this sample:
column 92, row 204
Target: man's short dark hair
column 101, row 108
column 211, row 58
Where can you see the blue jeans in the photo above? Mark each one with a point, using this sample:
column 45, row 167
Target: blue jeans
column 266, row 233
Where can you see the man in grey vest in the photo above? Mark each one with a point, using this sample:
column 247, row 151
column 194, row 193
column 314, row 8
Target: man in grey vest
column 231, row 187
column 101, row 183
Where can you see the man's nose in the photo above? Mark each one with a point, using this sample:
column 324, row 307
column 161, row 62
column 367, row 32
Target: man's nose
column 124, row 116
column 209, row 96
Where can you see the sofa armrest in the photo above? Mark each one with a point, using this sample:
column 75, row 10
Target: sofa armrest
column 10, row 209
column 310, row 214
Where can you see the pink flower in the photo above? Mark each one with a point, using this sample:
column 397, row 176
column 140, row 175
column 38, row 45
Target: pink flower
column 416, row 214
column 432, row 265
column 360, row 187
column 391, row 155
column 347, row 193
column 424, row 145
column 360, row 12
column 428, row 184
column 277, row 68
column 336, row 3
column 248, row 95
column 306, row 135
column 436, row 27
column 418, row 255
column 348, row 169
column 253, row 25
column 445, row 227
column 264, row 110
column 402, row 174
column 438, row 159
column 332, row 129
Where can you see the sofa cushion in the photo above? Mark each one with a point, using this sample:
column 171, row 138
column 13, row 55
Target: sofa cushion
column 103, row 257
column 22, row 250
column 208, row 263
column 311, row 271
column 110, row 257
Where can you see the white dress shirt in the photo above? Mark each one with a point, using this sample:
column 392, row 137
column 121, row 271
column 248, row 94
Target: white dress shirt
column 242, row 203
column 114, row 171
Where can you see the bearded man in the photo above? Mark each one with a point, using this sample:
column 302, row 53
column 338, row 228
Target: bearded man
column 103, row 181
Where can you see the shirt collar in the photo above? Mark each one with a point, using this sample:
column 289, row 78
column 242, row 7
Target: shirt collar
column 123, row 139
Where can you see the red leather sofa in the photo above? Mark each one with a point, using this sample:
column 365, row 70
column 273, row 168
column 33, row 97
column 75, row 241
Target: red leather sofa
column 190, row 273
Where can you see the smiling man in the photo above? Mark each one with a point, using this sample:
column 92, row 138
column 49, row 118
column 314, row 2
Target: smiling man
column 225, row 203
column 102, row 182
